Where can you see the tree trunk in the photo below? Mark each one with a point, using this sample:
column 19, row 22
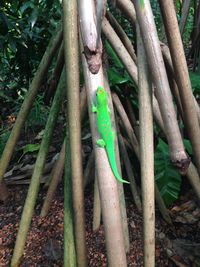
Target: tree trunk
column 71, row 51
column 182, row 76
column 146, row 154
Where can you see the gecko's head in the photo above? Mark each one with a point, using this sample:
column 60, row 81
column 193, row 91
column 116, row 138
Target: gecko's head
column 101, row 95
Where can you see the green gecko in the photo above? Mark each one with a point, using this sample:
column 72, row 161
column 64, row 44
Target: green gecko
column 105, row 130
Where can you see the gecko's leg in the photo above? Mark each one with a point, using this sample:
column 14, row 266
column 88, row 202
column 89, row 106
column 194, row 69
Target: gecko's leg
column 101, row 143
column 94, row 108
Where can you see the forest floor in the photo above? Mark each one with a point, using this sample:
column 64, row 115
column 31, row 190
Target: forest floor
column 176, row 245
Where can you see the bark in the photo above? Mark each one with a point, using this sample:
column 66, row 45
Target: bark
column 159, row 78
column 146, row 154
column 71, row 52
column 182, row 76
column 28, row 102
column 35, row 180
column 184, row 15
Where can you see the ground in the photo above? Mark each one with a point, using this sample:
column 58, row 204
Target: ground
column 44, row 246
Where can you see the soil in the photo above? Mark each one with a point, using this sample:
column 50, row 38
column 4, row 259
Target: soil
column 44, row 246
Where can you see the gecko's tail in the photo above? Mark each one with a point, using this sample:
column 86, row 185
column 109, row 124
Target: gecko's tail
column 111, row 157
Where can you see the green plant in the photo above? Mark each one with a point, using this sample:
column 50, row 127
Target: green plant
column 38, row 115
column 167, row 178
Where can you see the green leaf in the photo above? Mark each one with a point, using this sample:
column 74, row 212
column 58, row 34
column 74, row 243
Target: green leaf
column 188, row 146
column 195, row 81
column 30, row 148
column 167, row 178
column 115, row 78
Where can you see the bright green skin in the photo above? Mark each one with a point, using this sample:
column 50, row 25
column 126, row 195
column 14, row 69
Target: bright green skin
column 105, row 130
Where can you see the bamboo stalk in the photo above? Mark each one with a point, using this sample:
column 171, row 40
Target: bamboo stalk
column 146, row 154
column 122, row 35
column 35, row 180
column 159, row 77
column 53, row 82
column 130, row 175
column 107, row 183
column 55, row 176
column 71, row 51
column 184, row 15
column 182, row 76
column 96, row 207
column 69, row 240
column 57, row 170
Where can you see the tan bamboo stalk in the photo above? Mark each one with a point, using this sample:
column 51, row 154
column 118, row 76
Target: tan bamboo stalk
column 89, row 169
column 135, row 145
column 182, row 76
column 159, row 77
column 169, row 65
column 92, row 52
column 28, row 102
column 126, row 123
column 120, row 49
column 131, row 115
column 122, row 35
column 120, row 186
column 71, row 52
column 130, row 174
column 127, row 7
column 107, row 183
column 184, row 15
column 96, row 207
column 35, row 180
column 69, row 239
column 57, row 170
column 191, row 173
column 55, row 77
column 146, row 154
column 55, row 177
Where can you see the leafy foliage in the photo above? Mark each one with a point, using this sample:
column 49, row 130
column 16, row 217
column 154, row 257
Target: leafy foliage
column 167, row 178
column 195, row 80
column 25, row 27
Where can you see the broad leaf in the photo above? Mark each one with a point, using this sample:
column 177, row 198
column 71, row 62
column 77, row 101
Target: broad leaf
column 167, row 178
